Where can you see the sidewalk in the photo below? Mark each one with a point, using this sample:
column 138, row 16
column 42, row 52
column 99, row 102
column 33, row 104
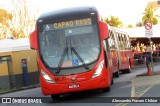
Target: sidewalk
column 143, row 85
column 18, row 89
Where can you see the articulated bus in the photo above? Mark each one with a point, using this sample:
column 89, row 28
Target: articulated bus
column 77, row 51
column 119, row 47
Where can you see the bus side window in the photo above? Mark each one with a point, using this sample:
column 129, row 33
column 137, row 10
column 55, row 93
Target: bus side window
column 112, row 40
column 117, row 38
column 106, row 45
column 106, row 49
column 128, row 42
column 122, row 42
column 107, row 42
column 109, row 39
column 125, row 42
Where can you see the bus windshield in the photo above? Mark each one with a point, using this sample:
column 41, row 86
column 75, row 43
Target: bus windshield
column 63, row 39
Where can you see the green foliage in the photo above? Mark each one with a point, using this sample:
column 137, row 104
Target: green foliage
column 114, row 21
column 130, row 26
column 25, row 18
column 20, row 22
column 4, row 17
column 139, row 24
column 17, row 33
column 149, row 16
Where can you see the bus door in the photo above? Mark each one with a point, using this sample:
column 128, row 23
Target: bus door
column 117, row 42
column 106, row 51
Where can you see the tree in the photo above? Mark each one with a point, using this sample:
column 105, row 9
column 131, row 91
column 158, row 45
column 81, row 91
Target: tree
column 5, row 18
column 130, row 26
column 139, row 24
column 149, row 16
column 23, row 19
column 113, row 21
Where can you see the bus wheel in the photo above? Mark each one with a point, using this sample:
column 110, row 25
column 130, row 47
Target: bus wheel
column 54, row 97
column 107, row 89
column 129, row 69
column 116, row 74
column 112, row 81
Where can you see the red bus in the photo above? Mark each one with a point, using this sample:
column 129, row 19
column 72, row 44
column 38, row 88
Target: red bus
column 74, row 53
column 119, row 47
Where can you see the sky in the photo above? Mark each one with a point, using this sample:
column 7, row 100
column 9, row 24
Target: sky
column 128, row 11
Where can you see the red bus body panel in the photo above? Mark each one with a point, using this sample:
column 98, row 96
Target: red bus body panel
column 127, row 58
column 114, row 56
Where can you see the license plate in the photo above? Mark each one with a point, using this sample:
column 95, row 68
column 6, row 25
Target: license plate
column 74, row 86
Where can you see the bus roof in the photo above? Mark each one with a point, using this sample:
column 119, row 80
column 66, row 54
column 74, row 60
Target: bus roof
column 68, row 13
column 118, row 30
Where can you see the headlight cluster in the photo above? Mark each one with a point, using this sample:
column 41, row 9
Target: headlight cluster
column 47, row 78
column 99, row 70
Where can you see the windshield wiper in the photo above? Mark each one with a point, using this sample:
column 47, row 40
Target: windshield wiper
column 62, row 59
column 79, row 57
column 65, row 51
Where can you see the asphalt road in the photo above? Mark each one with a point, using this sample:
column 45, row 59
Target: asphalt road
column 121, row 88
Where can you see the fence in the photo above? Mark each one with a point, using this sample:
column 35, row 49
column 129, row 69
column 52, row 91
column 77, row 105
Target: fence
column 140, row 56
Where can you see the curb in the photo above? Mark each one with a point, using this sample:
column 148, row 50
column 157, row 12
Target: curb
column 20, row 89
column 143, row 65
column 145, row 74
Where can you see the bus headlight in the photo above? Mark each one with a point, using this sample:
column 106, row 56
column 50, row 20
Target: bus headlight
column 99, row 70
column 47, row 78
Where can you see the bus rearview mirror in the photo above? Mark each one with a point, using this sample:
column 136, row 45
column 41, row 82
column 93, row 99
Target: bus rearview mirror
column 103, row 30
column 33, row 40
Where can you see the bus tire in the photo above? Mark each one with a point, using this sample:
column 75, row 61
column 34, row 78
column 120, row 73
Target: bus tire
column 54, row 97
column 107, row 89
column 124, row 71
column 112, row 82
column 129, row 69
column 116, row 74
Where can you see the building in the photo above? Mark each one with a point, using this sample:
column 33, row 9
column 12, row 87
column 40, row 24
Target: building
column 138, row 34
column 18, row 64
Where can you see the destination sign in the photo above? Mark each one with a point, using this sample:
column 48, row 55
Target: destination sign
column 67, row 24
